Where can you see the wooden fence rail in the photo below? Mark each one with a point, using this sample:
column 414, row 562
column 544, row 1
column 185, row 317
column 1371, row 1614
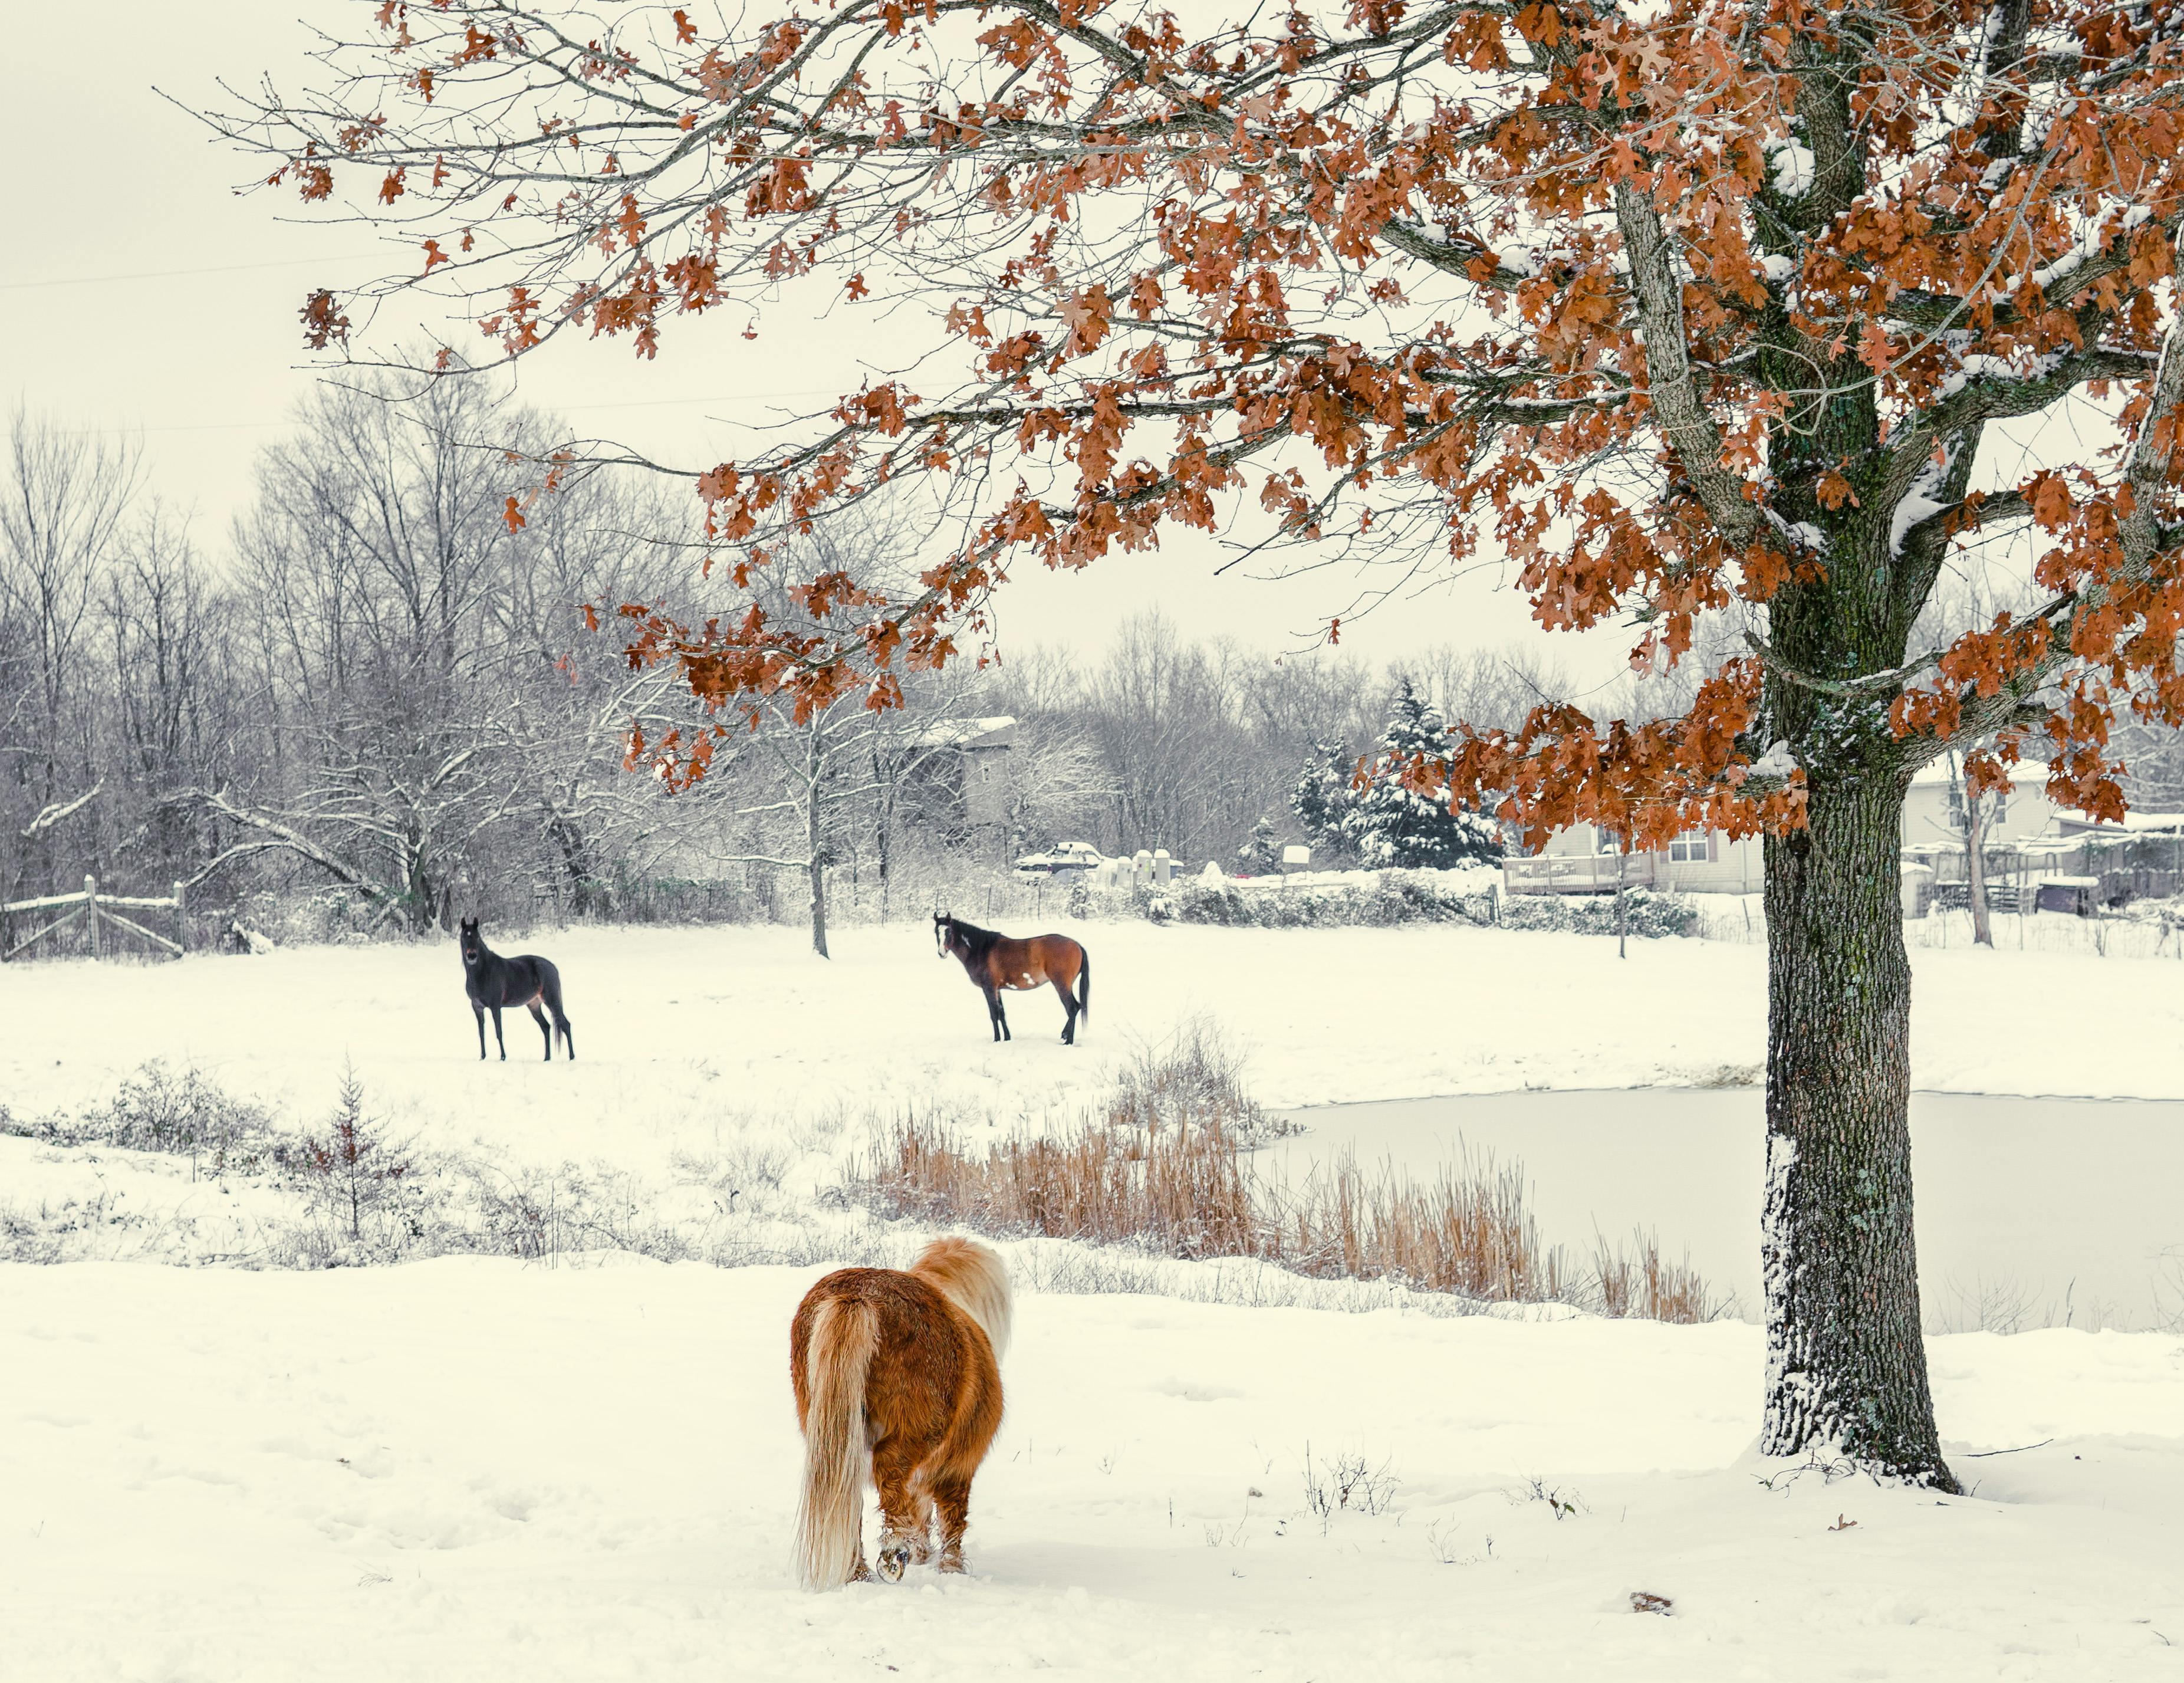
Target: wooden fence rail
column 94, row 911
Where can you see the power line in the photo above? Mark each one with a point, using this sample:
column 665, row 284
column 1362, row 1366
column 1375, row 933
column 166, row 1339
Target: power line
column 176, row 273
column 635, row 403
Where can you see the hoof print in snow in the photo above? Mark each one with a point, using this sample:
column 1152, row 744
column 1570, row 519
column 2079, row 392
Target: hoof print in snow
column 1645, row 1601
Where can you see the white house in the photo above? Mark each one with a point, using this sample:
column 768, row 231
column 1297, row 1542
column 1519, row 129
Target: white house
column 964, row 766
column 1584, row 859
column 1934, row 807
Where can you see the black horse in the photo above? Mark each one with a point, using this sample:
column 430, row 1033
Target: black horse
column 492, row 982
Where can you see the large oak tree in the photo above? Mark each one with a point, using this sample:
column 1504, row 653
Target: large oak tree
column 1688, row 309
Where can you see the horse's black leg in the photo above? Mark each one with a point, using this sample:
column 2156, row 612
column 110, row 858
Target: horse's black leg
column 1001, row 1015
column 538, row 1017
column 478, row 1011
column 497, row 1038
column 1069, row 1006
column 993, row 1013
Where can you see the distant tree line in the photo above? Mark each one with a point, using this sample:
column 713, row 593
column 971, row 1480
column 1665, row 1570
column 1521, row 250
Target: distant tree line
column 378, row 695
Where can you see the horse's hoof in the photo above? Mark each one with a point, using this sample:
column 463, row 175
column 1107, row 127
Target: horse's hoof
column 950, row 1563
column 893, row 1559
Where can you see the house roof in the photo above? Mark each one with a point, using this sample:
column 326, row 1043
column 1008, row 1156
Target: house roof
column 968, row 735
column 2025, row 775
column 2133, row 823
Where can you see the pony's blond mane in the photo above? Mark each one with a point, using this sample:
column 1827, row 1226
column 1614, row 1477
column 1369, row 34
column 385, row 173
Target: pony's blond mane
column 975, row 1279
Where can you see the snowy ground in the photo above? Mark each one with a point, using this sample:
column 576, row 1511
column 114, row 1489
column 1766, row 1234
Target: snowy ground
column 475, row 1468
column 703, row 1022
column 468, row 1469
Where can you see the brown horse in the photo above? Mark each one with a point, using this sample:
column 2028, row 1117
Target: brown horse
column 898, row 1372
column 994, row 962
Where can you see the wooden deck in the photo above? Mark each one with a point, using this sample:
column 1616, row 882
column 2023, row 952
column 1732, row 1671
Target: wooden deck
column 1577, row 873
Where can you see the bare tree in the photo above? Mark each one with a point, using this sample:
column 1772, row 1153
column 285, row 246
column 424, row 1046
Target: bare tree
column 809, row 766
column 65, row 499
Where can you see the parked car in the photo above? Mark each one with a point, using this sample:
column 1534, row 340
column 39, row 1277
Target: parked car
column 1063, row 859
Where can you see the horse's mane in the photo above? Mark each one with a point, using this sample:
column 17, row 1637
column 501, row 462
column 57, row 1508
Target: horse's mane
column 978, row 940
column 975, row 1280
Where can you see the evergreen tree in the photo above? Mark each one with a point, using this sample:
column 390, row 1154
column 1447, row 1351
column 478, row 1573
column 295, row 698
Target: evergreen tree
column 1323, row 797
column 1261, row 854
column 1388, row 824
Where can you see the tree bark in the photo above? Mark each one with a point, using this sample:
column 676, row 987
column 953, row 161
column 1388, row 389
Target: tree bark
column 1845, row 1356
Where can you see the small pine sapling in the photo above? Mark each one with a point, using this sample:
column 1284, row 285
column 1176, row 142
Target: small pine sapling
column 352, row 1171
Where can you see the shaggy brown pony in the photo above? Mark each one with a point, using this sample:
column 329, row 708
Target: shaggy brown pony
column 897, row 1371
column 994, row 962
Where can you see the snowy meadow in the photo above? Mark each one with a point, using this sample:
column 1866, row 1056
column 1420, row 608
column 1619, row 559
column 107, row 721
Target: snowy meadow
column 584, row 1463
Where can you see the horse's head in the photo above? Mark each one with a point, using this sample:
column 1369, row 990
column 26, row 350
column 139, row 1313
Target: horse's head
column 473, row 943
column 943, row 933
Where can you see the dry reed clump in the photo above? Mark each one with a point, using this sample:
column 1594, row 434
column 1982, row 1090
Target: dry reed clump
column 1182, row 1191
column 1648, row 1287
column 1467, row 1232
column 1188, row 1191
column 1194, row 1080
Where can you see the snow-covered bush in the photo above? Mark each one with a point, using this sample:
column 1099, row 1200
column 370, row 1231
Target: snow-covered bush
column 1331, row 899
column 1645, row 913
column 1339, row 899
column 344, row 1191
column 184, row 1112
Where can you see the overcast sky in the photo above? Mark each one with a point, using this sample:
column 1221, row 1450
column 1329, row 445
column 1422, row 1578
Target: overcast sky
column 139, row 292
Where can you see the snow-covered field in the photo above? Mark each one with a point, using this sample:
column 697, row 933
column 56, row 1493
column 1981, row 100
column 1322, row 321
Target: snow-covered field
column 677, row 1026
column 474, row 1467
column 468, row 1469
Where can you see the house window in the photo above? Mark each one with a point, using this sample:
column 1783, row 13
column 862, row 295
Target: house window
column 1997, row 812
column 1691, row 848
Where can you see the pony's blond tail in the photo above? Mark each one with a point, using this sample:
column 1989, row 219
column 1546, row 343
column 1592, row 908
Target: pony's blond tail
column 830, row 1519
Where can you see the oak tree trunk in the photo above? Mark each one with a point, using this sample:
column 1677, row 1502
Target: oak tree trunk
column 1845, row 1358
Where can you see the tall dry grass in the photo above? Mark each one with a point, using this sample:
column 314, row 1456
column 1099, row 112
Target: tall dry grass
column 1189, row 1189
column 1182, row 1191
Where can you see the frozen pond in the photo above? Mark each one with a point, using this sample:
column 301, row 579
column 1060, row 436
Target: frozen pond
column 2030, row 1212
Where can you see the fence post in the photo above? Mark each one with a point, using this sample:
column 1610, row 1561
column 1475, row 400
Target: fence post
column 90, row 911
column 182, row 927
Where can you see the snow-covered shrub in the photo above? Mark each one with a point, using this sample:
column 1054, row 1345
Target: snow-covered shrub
column 183, row 1112
column 1346, row 1483
column 1338, row 900
column 343, row 1191
column 1645, row 913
